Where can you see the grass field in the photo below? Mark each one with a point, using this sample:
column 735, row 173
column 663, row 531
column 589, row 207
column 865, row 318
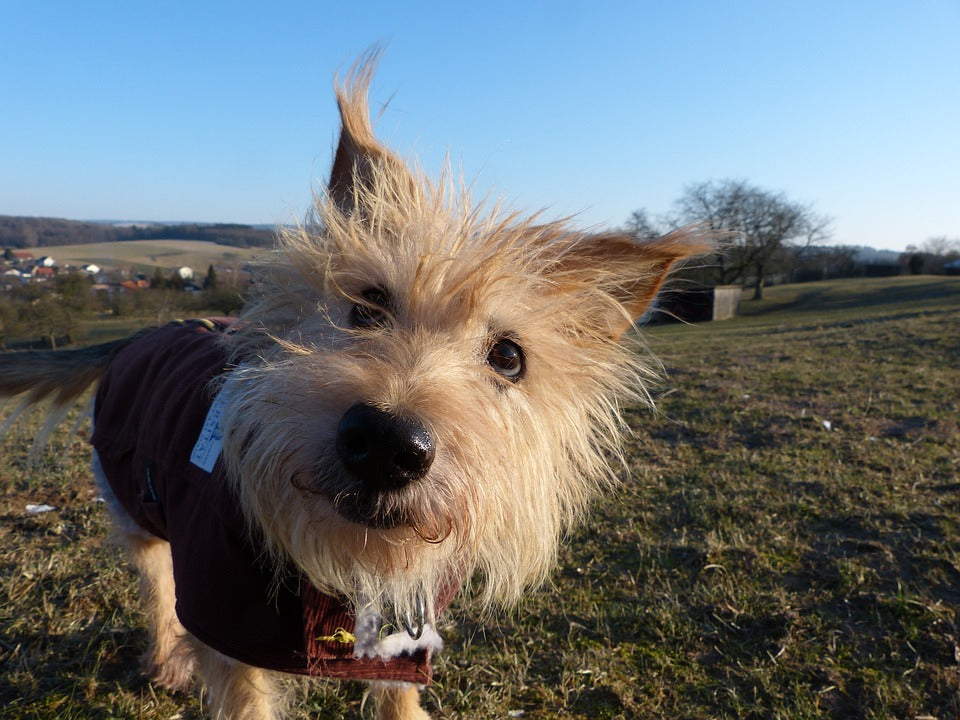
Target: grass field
column 146, row 255
column 785, row 544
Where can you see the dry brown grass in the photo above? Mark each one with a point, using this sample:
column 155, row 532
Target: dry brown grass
column 754, row 564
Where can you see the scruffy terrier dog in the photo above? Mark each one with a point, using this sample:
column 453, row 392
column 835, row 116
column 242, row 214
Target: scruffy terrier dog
column 419, row 397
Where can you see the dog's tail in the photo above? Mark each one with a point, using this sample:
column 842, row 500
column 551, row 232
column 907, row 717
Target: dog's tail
column 61, row 376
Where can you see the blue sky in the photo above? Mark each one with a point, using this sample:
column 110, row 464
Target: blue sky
column 223, row 111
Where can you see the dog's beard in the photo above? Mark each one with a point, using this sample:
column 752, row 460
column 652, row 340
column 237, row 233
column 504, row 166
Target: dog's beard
column 384, row 558
column 385, row 551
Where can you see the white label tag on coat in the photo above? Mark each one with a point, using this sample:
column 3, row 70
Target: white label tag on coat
column 210, row 443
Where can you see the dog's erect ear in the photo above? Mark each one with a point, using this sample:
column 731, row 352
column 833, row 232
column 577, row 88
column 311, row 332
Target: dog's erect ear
column 360, row 161
column 629, row 270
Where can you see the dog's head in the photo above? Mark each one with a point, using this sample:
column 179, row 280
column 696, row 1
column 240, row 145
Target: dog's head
column 429, row 390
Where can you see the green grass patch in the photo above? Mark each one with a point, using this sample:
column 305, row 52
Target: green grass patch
column 784, row 545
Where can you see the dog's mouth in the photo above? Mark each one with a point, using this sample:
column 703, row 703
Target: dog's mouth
column 368, row 511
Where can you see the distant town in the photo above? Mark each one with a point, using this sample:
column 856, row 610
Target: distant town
column 22, row 266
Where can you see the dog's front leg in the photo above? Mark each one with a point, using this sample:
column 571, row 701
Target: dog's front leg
column 234, row 690
column 397, row 701
column 168, row 662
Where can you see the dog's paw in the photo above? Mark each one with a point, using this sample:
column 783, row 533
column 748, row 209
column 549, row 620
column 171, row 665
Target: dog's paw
column 174, row 672
column 398, row 702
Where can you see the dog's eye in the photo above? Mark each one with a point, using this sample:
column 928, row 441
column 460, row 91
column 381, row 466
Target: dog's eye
column 506, row 358
column 373, row 311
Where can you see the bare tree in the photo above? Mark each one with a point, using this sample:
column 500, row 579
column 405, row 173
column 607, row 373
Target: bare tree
column 932, row 255
column 941, row 245
column 641, row 226
column 755, row 227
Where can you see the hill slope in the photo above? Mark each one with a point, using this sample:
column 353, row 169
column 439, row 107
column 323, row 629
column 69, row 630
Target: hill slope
column 32, row 232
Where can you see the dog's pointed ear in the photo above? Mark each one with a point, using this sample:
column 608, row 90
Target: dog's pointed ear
column 626, row 270
column 361, row 161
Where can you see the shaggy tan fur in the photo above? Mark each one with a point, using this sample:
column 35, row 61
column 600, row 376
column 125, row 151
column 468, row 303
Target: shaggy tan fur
column 516, row 462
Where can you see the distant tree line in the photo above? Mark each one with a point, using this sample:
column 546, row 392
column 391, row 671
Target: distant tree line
column 933, row 256
column 764, row 236
column 33, row 232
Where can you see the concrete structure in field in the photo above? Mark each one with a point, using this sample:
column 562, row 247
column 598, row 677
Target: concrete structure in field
column 701, row 304
column 726, row 301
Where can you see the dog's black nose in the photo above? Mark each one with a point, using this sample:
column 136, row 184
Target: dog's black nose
column 382, row 450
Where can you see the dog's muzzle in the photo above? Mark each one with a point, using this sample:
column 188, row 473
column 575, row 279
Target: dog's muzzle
column 383, row 451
